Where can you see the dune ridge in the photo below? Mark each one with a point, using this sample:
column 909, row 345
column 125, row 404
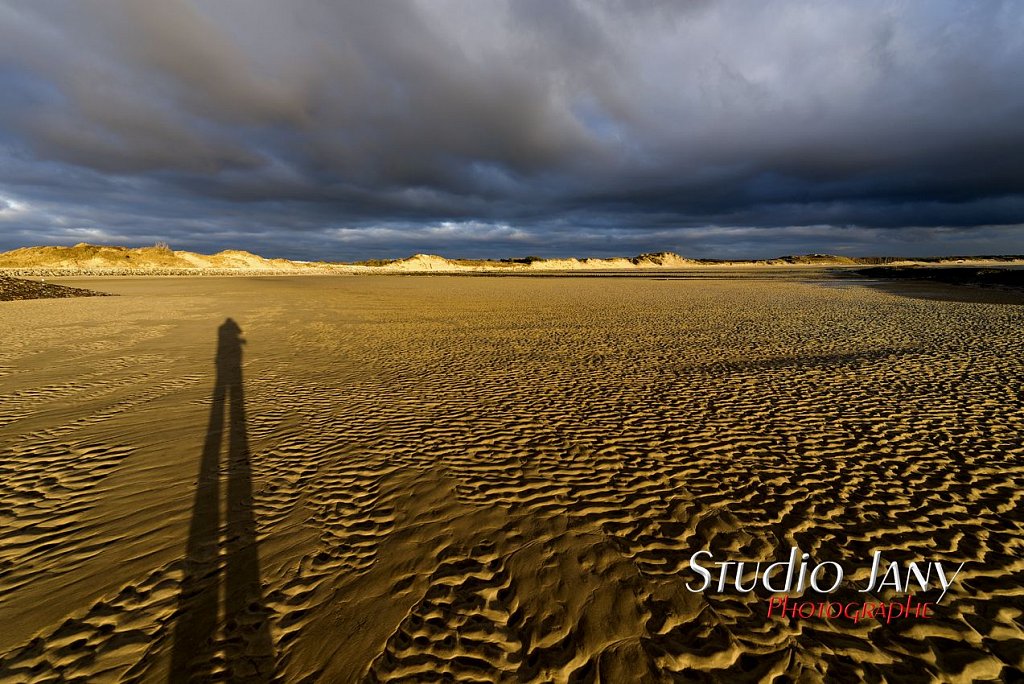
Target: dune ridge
column 104, row 259
column 87, row 259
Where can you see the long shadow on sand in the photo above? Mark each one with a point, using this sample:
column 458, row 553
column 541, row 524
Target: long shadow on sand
column 243, row 650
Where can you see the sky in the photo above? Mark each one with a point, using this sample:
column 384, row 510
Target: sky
column 317, row 129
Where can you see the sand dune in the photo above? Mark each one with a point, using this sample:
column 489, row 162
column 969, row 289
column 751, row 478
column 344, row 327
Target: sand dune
column 161, row 260
column 490, row 480
column 86, row 259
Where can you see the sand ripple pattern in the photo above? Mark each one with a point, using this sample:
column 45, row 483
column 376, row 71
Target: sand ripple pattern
column 490, row 481
column 46, row 489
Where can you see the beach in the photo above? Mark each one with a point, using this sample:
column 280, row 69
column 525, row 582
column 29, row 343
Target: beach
column 392, row 477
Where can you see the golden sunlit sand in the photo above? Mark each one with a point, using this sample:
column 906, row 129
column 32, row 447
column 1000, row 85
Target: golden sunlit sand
column 412, row 478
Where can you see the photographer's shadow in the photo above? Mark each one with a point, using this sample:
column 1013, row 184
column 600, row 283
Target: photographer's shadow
column 223, row 561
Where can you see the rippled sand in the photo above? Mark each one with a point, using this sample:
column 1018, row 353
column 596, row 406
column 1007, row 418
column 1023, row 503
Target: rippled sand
column 498, row 479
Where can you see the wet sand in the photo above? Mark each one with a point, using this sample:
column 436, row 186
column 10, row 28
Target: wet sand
column 414, row 478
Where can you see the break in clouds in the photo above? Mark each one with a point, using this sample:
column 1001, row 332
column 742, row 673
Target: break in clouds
column 346, row 130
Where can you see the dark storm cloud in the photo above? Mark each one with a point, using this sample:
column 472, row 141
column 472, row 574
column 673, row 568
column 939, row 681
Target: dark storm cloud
column 348, row 129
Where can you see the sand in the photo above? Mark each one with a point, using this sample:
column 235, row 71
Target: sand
column 411, row 478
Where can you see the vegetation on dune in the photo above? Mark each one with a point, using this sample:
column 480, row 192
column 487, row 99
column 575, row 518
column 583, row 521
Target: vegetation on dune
column 374, row 262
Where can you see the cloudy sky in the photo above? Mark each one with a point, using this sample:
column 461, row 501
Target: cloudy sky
column 348, row 130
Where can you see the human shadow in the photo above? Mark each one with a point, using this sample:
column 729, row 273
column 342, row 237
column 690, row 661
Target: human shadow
column 223, row 561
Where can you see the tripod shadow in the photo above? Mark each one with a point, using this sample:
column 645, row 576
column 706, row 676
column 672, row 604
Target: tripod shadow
column 223, row 561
